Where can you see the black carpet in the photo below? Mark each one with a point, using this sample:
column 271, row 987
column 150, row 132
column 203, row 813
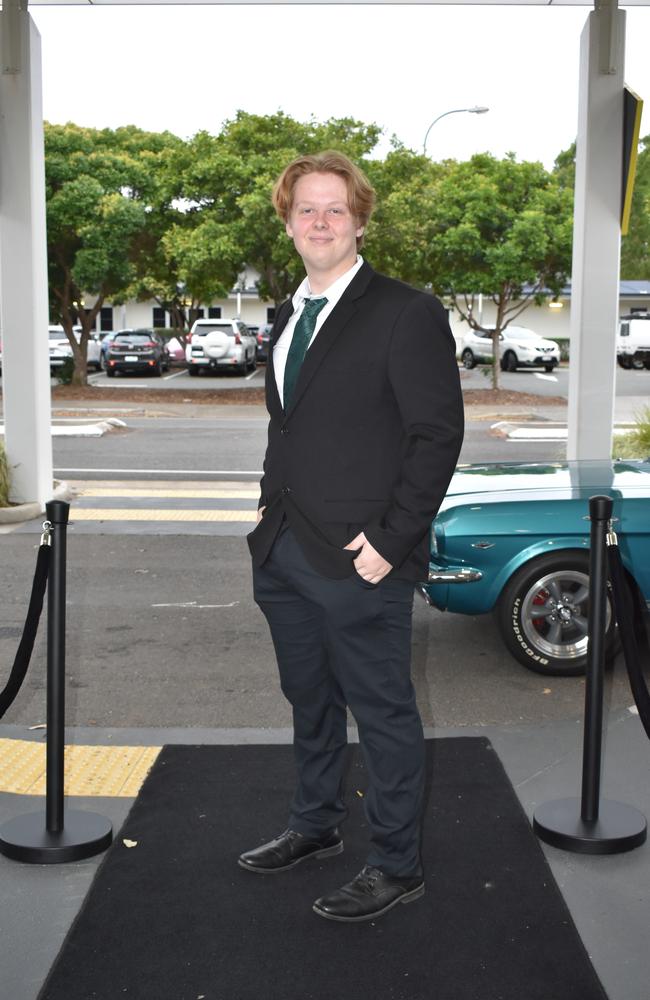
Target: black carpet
column 175, row 918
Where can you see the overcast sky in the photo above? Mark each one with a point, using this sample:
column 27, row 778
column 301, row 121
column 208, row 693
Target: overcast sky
column 191, row 68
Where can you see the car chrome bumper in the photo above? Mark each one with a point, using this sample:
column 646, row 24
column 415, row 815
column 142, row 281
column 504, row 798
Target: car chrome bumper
column 454, row 575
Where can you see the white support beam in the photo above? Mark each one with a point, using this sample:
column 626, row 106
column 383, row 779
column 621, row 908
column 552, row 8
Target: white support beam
column 596, row 235
column 23, row 259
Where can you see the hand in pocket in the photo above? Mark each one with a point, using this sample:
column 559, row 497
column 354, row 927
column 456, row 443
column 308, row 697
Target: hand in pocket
column 369, row 564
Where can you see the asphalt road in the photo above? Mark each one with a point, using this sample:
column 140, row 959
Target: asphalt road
column 229, row 447
column 628, row 383
column 132, row 662
column 162, row 628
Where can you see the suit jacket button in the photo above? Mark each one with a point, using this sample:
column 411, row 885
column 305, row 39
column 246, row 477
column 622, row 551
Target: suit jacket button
column 285, row 490
column 284, row 430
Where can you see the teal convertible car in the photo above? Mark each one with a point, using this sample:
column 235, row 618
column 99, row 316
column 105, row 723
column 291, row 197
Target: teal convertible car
column 514, row 539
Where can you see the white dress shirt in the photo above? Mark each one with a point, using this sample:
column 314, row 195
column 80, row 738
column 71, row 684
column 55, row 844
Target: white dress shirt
column 332, row 294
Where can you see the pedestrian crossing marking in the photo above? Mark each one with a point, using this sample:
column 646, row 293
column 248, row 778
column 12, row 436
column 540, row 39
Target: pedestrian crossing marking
column 153, row 514
column 110, row 771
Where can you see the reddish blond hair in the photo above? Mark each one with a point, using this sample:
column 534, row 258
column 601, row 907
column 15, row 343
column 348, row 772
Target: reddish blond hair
column 361, row 195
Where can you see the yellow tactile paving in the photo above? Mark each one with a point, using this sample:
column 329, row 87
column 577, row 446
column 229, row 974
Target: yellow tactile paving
column 114, row 772
column 200, row 494
column 128, row 514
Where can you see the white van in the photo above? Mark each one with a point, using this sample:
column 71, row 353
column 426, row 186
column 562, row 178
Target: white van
column 633, row 342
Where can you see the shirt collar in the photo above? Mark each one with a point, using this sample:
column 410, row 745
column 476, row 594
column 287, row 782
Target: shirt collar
column 333, row 293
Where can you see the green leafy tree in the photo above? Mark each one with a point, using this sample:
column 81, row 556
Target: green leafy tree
column 635, row 248
column 397, row 241
column 185, row 257
column 99, row 185
column 226, row 182
column 497, row 228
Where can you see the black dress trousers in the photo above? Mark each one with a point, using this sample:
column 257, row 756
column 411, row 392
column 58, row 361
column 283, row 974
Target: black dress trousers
column 345, row 642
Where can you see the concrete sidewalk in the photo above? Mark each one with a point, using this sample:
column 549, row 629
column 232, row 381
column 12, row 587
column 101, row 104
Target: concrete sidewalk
column 607, row 895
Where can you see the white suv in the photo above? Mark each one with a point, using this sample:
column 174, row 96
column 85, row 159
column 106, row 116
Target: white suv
column 220, row 343
column 519, row 347
column 60, row 348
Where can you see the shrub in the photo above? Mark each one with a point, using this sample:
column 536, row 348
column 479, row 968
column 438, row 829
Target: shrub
column 635, row 443
column 4, row 478
column 65, row 372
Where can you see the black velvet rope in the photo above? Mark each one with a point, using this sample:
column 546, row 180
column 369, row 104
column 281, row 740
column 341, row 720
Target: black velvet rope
column 23, row 656
column 630, row 614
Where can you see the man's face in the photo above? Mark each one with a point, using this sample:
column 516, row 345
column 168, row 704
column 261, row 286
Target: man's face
column 322, row 227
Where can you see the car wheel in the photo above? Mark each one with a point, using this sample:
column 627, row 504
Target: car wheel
column 192, row 371
column 110, row 373
column 549, row 368
column 157, row 370
column 468, row 359
column 542, row 614
column 252, row 364
column 624, row 361
column 510, row 361
column 637, row 362
column 647, row 363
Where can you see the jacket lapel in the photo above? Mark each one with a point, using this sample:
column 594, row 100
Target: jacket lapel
column 331, row 330
column 272, row 395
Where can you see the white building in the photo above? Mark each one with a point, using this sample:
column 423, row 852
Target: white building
column 552, row 319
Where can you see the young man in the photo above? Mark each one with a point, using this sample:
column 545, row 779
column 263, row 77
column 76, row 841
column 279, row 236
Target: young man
column 366, row 423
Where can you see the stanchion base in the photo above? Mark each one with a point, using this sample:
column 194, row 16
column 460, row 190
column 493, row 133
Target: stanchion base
column 619, row 827
column 25, row 838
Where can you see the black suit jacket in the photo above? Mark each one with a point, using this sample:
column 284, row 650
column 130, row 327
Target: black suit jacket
column 372, row 435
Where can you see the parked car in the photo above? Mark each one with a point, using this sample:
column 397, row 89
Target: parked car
column 106, row 338
column 263, row 341
column 142, row 350
column 220, row 343
column 513, row 539
column 633, row 342
column 175, row 349
column 60, row 349
column 519, row 347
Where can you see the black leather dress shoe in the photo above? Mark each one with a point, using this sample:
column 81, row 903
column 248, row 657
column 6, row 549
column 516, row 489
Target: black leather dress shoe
column 288, row 850
column 369, row 895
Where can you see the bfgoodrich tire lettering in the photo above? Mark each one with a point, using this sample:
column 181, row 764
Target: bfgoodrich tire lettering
column 542, row 614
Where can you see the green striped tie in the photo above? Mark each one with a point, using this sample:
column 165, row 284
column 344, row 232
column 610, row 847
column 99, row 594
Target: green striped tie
column 302, row 334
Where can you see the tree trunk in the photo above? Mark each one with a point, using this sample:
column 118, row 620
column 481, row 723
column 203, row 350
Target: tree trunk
column 496, row 360
column 80, row 373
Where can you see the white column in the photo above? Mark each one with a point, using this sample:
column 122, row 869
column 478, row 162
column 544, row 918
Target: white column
column 23, row 259
column 596, row 235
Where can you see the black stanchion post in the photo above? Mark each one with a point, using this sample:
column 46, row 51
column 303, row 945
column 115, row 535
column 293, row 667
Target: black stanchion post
column 600, row 513
column 590, row 825
column 57, row 834
column 57, row 515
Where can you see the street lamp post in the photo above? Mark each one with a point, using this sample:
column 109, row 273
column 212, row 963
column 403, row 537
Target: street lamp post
column 477, row 110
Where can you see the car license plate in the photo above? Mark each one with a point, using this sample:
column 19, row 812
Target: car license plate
column 130, row 357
